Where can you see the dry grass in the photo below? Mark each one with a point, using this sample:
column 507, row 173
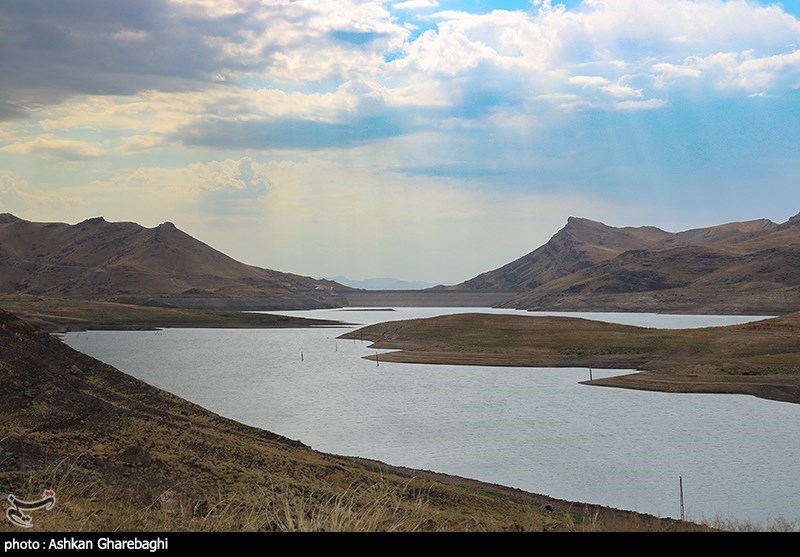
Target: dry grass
column 775, row 525
column 383, row 503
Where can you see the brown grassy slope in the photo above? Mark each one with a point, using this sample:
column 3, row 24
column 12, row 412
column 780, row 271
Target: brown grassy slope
column 122, row 455
column 760, row 358
column 96, row 259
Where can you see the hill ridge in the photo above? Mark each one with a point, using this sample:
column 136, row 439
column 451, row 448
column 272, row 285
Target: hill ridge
column 161, row 265
column 738, row 267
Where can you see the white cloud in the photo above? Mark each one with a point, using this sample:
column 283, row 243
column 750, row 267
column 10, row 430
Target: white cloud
column 157, row 119
column 415, row 4
column 49, row 147
column 617, row 90
column 743, row 71
column 675, row 25
column 138, row 143
column 252, row 51
column 588, row 80
column 229, row 180
column 666, row 71
column 270, row 67
column 546, row 53
column 650, row 104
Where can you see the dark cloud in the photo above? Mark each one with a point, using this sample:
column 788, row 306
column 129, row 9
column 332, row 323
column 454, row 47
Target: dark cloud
column 9, row 111
column 105, row 47
column 291, row 133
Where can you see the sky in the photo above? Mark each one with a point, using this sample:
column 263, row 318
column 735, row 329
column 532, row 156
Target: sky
column 426, row 140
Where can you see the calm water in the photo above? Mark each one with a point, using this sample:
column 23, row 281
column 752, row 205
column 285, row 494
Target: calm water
column 535, row 429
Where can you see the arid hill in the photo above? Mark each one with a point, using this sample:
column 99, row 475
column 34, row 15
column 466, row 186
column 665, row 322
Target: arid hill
column 582, row 243
column 125, row 262
column 122, row 455
column 746, row 267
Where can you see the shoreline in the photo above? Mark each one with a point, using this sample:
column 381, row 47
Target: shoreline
column 126, row 456
column 56, row 315
column 655, row 370
column 759, row 358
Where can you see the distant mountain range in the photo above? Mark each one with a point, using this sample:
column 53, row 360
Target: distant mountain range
column 126, row 262
column 741, row 267
column 381, row 283
column 748, row 267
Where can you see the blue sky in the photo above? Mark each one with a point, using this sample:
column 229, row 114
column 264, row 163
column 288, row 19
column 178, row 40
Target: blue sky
column 421, row 139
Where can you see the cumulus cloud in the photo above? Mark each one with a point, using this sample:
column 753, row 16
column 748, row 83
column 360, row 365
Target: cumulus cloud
column 545, row 53
column 311, row 75
column 736, row 71
column 229, row 180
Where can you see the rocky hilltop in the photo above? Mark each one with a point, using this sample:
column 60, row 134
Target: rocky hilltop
column 126, row 262
column 744, row 267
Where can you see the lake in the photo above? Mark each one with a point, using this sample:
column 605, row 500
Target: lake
column 536, row 429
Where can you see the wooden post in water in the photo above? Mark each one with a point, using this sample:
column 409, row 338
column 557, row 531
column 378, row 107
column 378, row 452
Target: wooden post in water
column 680, row 479
column 301, row 355
column 377, row 361
column 590, row 374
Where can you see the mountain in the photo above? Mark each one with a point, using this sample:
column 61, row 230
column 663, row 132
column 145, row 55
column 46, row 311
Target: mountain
column 123, row 261
column 580, row 244
column 742, row 267
column 381, row 283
